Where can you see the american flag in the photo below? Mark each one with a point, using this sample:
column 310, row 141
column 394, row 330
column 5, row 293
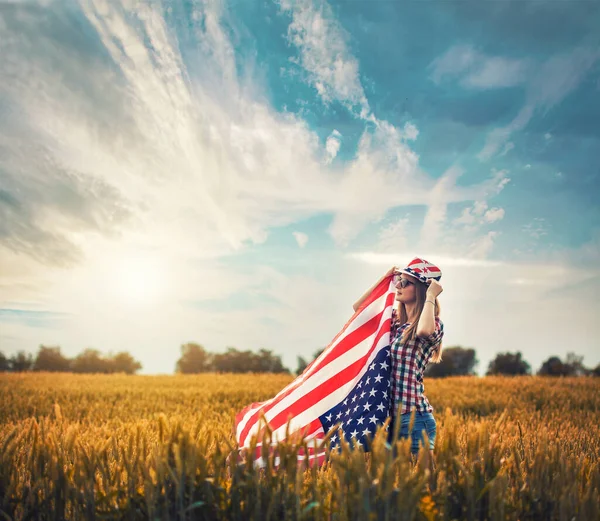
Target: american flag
column 348, row 384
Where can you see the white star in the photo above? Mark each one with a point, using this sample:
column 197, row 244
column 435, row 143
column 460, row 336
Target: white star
column 367, row 406
column 355, row 409
column 381, row 407
column 346, row 401
column 373, row 419
column 365, row 432
column 353, row 398
column 372, row 366
column 357, row 443
column 360, row 420
column 333, row 438
column 362, row 395
column 328, row 417
column 354, row 433
column 347, row 412
column 384, row 365
column 372, row 392
column 385, row 394
column 359, row 385
column 368, row 380
column 339, row 415
column 378, row 378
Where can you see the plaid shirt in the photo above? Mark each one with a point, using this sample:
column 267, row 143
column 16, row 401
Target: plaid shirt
column 409, row 361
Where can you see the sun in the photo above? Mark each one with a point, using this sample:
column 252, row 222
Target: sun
column 140, row 279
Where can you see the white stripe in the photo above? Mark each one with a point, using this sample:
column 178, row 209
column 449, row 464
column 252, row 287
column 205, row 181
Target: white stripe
column 367, row 314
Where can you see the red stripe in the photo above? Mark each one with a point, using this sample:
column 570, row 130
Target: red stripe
column 347, row 343
column 327, row 387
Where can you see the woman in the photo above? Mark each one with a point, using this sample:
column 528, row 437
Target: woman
column 416, row 340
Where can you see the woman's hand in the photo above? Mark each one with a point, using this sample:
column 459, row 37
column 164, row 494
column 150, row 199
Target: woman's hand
column 434, row 288
column 389, row 272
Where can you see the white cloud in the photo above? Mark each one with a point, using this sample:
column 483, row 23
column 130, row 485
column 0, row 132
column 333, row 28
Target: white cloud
column 332, row 145
column 547, row 135
column 301, row 238
column 410, row 132
column 536, row 228
column 477, row 70
column 494, row 214
column 507, row 148
column 547, row 86
column 466, row 217
column 454, row 62
column 393, row 236
column 436, row 212
column 332, row 69
column 481, row 248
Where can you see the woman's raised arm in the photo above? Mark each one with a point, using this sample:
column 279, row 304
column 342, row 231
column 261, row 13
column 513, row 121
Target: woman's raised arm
column 357, row 304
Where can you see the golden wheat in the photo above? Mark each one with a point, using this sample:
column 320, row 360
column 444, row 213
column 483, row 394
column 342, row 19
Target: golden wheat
column 134, row 447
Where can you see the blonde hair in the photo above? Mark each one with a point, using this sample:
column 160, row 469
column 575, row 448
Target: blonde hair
column 411, row 331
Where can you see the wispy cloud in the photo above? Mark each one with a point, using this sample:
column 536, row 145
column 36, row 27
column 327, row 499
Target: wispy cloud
column 332, row 70
column 332, row 145
column 301, row 238
column 547, row 85
column 476, row 70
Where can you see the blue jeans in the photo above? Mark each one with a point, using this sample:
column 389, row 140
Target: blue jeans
column 424, row 421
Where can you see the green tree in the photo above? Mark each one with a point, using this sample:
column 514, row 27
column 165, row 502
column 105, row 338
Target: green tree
column 234, row 361
column 20, row 362
column 4, row 363
column 572, row 366
column 51, row 359
column 456, row 361
column 508, row 364
column 303, row 364
column 124, row 363
column 91, row 361
column 194, row 359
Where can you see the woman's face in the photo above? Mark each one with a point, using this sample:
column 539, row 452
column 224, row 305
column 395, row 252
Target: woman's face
column 408, row 293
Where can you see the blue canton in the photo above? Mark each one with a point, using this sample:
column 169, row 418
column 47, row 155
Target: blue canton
column 365, row 408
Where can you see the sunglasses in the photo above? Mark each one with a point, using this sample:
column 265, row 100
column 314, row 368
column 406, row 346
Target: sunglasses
column 402, row 282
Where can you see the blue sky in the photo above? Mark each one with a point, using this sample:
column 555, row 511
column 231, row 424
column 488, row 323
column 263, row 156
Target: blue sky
column 238, row 173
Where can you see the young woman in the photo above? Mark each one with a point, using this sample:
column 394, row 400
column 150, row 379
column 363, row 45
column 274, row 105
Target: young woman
column 416, row 340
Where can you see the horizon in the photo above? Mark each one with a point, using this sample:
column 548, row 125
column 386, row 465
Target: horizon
column 239, row 174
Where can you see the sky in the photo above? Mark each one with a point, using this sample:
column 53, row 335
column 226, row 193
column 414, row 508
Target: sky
column 237, row 174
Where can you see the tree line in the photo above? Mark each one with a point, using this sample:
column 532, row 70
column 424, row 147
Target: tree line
column 196, row 359
column 461, row 361
column 50, row 358
column 456, row 361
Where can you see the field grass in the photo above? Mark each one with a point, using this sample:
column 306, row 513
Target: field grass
column 143, row 447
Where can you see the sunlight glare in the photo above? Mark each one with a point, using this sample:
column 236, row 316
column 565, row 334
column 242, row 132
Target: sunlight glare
column 140, row 279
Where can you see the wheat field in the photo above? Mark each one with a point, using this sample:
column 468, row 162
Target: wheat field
column 155, row 447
